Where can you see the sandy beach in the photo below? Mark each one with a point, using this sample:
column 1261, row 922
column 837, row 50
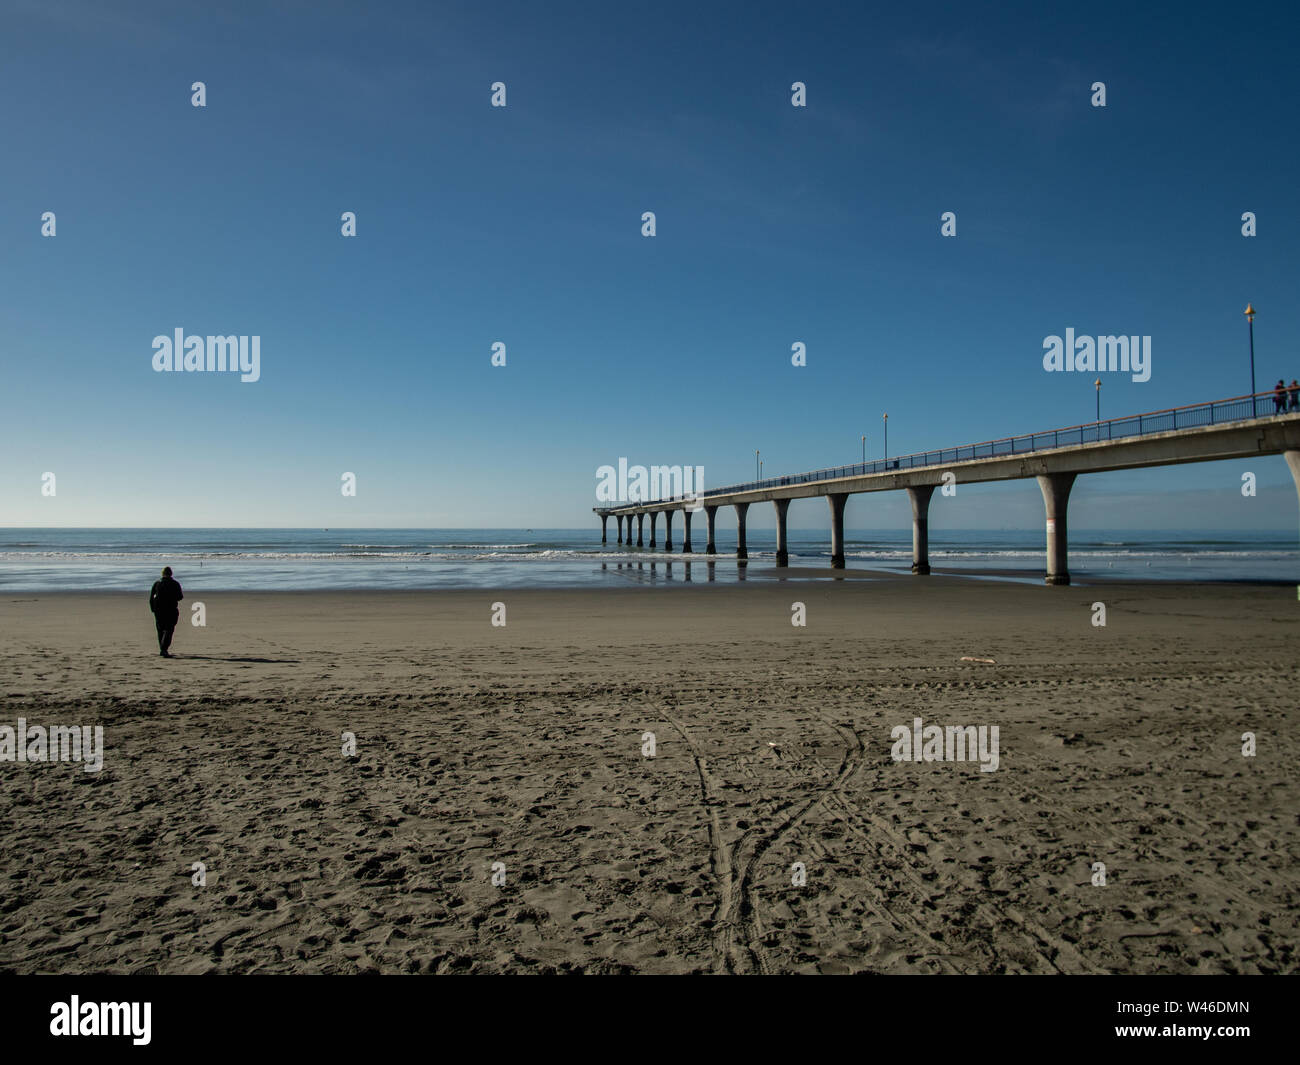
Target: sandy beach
column 525, row 745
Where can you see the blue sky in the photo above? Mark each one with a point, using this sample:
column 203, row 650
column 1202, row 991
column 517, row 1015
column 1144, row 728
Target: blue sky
column 522, row 225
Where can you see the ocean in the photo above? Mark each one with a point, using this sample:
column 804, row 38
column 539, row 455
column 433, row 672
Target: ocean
column 43, row 560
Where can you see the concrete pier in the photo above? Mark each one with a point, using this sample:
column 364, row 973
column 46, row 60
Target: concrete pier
column 782, row 554
column 1227, row 429
column 1056, row 498
column 668, row 530
column 920, row 499
column 837, row 501
column 640, row 528
column 686, row 520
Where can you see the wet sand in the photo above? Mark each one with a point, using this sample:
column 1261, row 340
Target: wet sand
column 523, row 745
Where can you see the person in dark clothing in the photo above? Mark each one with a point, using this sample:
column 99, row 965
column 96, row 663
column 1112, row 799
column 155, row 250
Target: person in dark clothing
column 164, row 599
column 1295, row 394
column 1279, row 397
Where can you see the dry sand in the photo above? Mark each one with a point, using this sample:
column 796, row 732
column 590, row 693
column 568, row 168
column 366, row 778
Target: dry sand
column 523, row 745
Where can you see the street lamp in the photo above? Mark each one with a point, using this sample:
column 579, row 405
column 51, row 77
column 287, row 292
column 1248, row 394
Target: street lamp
column 758, row 465
column 1250, row 320
column 1098, row 384
column 886, row 437
column 864, row 449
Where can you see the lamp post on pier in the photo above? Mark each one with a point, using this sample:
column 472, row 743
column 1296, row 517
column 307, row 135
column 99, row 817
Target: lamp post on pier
column 758, row 466
column 886, row 437
column 1250, row 320
column 864, row 449
column 1098, row 384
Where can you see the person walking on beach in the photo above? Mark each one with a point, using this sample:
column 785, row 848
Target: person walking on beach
column 1279, row 397
column 1295, row 394
column 164, row 600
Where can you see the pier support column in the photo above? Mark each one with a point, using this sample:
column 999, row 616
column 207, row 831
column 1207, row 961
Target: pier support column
column 920, row 497
column 668, row 530
column 710, row 518
column 619, row 519
column 1293, row 461
column 654, row 517
column 1056, row 498
column 837, row 501
column 640, row 528
column 604, row 527
column 742, row 552
column 782, row 555
column 686, row 518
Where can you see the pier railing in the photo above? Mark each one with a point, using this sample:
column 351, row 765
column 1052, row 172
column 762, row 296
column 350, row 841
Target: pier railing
column 1161, row 421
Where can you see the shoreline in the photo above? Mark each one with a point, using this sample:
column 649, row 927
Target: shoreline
column 984, row 578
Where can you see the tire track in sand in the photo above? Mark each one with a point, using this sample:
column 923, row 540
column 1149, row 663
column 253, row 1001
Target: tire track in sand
column 737, row 925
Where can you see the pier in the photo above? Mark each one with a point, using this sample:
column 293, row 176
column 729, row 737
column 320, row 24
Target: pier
column 1236, row 428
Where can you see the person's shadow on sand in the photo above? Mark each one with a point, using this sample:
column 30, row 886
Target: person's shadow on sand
column 219, row 658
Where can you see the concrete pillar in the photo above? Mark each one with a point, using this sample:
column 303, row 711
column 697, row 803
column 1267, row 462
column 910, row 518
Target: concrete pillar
column 619, row 519
column 782, row 555
column 742, row 553
column 668, row 530
column 920, row 497
column 654, row 517
column 837, row 502
column 686, row 518
column 1293, row 460
column 604, row 527
column 710, row 518
column 640, row 528
column 1056, row 498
